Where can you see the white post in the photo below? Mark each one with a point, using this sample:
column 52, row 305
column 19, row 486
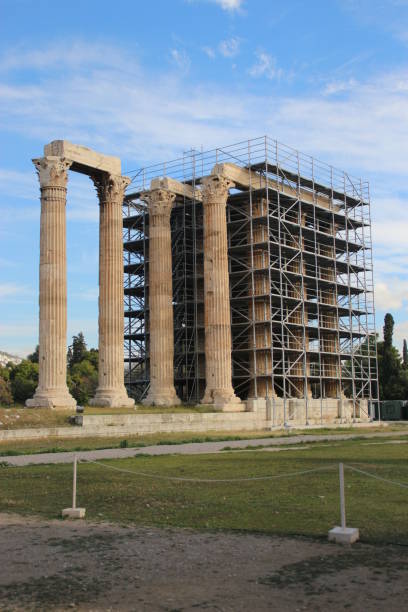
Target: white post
column 342, row 500
column 343, row 534
column 74, row 512
column 74, row 483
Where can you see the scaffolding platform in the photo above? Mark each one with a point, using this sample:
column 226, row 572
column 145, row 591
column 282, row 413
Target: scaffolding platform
column 301, row 279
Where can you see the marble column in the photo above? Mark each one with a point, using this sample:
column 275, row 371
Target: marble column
column 162, row 391
column 111, row 390
column 217, row 315
column 52, row 390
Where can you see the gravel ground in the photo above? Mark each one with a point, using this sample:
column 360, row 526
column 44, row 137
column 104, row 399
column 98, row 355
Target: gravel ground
column 56, row 565
column 184, row 449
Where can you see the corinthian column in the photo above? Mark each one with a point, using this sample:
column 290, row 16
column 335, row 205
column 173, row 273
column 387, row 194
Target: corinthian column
column 218, row 370
column 161, row 392
column 111, row 389
column 52, row 390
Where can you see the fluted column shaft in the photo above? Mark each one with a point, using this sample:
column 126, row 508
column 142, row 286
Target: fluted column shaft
column 111, row 389
column 161, row 392
column 52, row 390
column 218, row 368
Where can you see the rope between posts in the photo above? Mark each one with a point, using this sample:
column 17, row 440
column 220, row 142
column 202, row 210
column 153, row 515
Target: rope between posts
column 207, row 480
column 398, row 484
column 246, row 479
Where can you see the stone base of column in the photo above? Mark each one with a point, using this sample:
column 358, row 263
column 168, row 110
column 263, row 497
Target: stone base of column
column 162, row 398
column 225, row 401
column 56, row 400
column 112, row 398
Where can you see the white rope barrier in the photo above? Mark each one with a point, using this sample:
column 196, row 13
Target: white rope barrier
column 398, row 484
column 246, row 479
column 209, row 480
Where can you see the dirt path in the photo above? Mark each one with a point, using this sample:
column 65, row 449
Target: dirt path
column 185, row 449
column 55, row 565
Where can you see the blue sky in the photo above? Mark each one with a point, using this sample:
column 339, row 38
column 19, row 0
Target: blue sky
column 149, row 80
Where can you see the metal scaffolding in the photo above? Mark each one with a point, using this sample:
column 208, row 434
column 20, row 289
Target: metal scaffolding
column 301, row 279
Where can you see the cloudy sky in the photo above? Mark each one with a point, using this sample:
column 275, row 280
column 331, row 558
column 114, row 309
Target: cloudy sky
column 147, row 80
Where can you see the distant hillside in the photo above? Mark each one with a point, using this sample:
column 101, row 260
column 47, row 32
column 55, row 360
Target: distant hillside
column 6, row 357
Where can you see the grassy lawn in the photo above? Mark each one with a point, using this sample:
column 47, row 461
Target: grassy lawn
column 19, row 417
column 55, row 445
column 305, row 505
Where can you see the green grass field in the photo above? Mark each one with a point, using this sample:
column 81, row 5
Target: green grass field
column 19, row 417
column 306, row 505
column 54, row 445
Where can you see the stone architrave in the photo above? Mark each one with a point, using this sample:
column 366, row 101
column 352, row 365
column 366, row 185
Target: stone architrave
column 217, row 315
column 52, row 390
column 162, row 391
column 111, row 390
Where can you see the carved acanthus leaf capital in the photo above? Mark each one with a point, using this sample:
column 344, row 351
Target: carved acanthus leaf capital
column 215, row 189
column 160, row 202
column 110, row 187
column 52, row 171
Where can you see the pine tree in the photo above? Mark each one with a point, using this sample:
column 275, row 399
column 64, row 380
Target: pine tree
column 393, row 377
column 388, row 331
column 77, row 350
column 405, row 354
column 35, row 357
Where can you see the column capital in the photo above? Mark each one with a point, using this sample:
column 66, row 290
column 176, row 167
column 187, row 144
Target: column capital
column 160, row 202
column 110, row 187
column 52, row 171
column 215, row 189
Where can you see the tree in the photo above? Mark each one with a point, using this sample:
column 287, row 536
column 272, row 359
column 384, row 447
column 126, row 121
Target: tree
column 77, row 350
column 6, row 396
column 82, row 370
column 393, row 378
column 405, row 354
column 83, row 381
column 24, row 380
column 93, row 357
column 35, row 357
column 388, row 331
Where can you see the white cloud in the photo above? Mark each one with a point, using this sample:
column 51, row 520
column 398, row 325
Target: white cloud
column 82, row 203
column 78, row 54
column 18, row 184
column 229, row 47
column 8, row 290
column 230, row 5
column 209, row 51
column 265, row 65
column 391, row 295
column 336, row 87
column 181, row 60
column 17, row 329
column 389, row 15
column 6, row 263
column 86, row 294
column 365, row 130
column 400, row 334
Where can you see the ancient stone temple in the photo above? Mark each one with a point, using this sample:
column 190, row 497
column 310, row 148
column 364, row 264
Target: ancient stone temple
column 60, row 157
column 248, row 285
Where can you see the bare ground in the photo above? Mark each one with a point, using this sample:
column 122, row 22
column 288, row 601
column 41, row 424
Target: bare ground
column 55, row 565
